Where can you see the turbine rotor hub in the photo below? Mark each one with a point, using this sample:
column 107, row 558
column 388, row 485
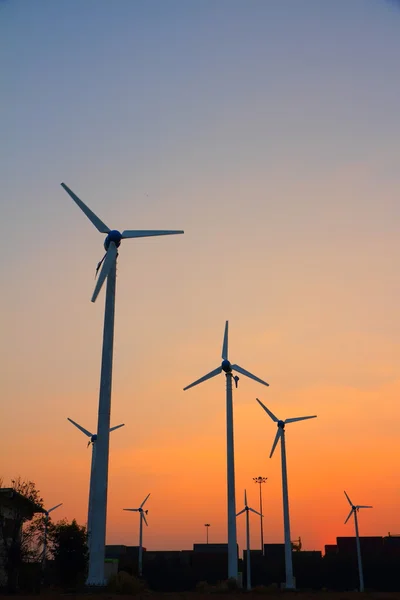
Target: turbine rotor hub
column 113, row 236
column 93, row 438
column 281, row 424
column 226, row 366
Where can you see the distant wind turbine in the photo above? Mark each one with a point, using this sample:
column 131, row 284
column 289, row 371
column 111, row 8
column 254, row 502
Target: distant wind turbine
column 354, row 510
column 108, row 271
column 46, row 525
column 142, row 517
column 227, row 368
column 93, row 442
column 280, row 435
column 246, row 510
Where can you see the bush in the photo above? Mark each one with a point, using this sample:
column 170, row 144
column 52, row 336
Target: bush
column 123, row 583
column 203, row 587
column 273, row 588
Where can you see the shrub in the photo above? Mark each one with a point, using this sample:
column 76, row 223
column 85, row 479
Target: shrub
column 273, row 588
column 123, row 583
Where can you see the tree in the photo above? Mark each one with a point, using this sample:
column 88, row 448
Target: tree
column 20, row 536
column 70, row 553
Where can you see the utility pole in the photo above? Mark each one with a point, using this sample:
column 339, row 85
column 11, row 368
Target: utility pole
column 260, row 480
column 207, row 525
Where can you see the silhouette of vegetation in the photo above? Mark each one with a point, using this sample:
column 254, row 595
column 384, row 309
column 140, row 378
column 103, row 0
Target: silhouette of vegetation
column 68, row 543
column 124, row 583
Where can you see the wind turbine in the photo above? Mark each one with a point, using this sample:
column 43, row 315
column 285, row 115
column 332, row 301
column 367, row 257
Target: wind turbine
column 247, row 509
column 93, row 442
column 142, row 517
column 280, row 435
column 46, row 525
column 109, row 269
column 227, row 368
column 354, row 510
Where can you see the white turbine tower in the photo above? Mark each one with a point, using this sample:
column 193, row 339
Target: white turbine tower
column 227, row 368
column 108, row 271
column 93, row 442
column 46, row 525
column 142, row 517
column 354, row 510
column 246, row 510
column 280, row 435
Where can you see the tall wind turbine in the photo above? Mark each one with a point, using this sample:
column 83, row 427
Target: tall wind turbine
column 247, row 509
column 227, row 368
column 280, row 435
column 108, row 271
column 354, row 510
column 142, row 517
column 46, row 525
column 93, row 442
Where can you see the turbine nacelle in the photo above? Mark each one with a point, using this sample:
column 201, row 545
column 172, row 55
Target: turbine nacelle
column 281, row 424
column 226, row 366
column 113, row 236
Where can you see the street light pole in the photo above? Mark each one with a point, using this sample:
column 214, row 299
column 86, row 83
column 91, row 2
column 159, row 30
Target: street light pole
column 260, row 480
column 207, row 525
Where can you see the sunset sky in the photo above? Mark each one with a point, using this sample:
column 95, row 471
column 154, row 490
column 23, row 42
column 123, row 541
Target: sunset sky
column 269, row 131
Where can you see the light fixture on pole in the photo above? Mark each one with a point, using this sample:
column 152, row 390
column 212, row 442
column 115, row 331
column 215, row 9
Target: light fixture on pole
column 260, row 480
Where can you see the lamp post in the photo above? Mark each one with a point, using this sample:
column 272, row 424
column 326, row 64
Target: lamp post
column 207, row 525
column 260, row 480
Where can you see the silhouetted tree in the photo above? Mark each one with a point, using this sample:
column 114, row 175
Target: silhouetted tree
column 70, row 553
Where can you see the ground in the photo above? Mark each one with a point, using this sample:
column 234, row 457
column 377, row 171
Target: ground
column 223, row 596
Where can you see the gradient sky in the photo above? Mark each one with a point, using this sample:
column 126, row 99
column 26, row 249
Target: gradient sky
column 269, row 131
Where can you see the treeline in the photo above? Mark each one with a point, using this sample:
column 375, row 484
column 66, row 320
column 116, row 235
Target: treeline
column 26, row 562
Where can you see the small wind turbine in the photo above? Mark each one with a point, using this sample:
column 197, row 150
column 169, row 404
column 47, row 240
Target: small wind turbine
column 93, row 442
column 227, row 368
column 354, row 510
column 280, row 435
column 109, row 272
column 142, row 517
column 46, row 525
column 246, row 510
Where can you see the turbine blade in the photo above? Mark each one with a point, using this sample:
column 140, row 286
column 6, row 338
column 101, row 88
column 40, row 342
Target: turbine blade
column 98, row 223
column 128, row 233
column 241, row 512
column 85, row 431
column 208, row 376
column 54, row 508
column 350, row 513
column 248, row 374
column 273, row 417
column 245, row 498
column 117, row 427
column 109, row 261
column 144, row 518
column 225, row 343
column 277, row 438
column 131, row 509
column 256, row 512
column 361, row 506
column 144, row 500
column 350, row 502
column 294, row 419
